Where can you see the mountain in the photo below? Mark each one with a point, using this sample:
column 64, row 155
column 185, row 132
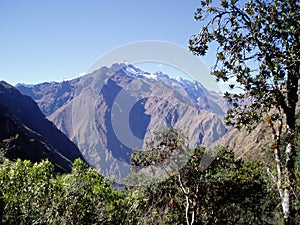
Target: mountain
column 36, row 137
column 111, row 111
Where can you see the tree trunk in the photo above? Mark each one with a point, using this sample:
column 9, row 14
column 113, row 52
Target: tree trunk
column 290, row 151
column 186, row 192
column 288, row 197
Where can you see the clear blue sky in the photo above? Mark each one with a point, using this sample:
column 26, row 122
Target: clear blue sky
column 51, row 40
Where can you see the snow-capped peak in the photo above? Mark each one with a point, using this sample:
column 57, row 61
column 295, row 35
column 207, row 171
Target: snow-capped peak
column 151, row 76
column 179, row 79
column 132, row 71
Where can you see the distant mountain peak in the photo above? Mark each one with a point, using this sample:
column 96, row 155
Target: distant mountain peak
column 25, row 85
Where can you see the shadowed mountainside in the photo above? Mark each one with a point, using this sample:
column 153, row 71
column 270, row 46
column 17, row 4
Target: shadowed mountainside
column 36, row 137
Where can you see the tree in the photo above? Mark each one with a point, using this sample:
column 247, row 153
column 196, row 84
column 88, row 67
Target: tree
column 164, row 201
column 258, row 48
column 229, row 191
column 87, row 198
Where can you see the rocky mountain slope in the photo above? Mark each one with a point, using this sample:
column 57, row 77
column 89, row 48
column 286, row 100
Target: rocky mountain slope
column 246, row 144
column 36, row 137
column 113, row 110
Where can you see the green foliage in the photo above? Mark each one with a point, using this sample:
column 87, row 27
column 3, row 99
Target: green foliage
column 32, row 194
column 156, row 203
column 87, row 198
column 166, row 142
column 258, row 47
column 26, row 191
column 229, row 191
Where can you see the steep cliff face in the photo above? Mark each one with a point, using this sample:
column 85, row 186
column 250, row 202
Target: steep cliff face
column 37, row 137
column 113, row 110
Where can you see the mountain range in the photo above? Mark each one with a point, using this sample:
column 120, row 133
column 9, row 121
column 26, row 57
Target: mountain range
column 113, row 110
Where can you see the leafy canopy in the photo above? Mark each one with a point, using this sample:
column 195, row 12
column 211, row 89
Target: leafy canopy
column 258, row 53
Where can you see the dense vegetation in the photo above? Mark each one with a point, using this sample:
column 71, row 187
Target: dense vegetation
column 32, row 194
column 229, row 191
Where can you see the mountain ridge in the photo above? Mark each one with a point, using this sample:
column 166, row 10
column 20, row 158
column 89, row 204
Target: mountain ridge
column 37, row 137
